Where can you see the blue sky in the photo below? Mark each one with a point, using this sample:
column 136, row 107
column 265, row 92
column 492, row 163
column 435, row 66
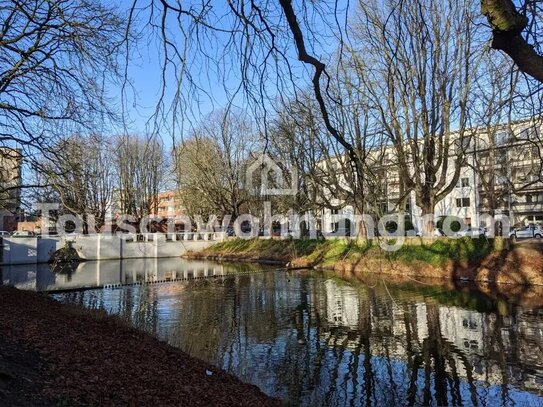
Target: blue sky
column 144, row 70
column 145, row 74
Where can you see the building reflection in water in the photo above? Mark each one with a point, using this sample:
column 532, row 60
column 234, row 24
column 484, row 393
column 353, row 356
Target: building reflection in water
column 313, row 340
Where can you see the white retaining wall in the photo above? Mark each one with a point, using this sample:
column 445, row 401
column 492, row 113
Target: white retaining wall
column 30, row 250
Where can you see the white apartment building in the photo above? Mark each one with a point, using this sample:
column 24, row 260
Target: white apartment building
column 501, row 177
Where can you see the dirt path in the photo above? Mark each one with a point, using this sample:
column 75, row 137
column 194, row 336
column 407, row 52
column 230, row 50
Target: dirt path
column 52, row 353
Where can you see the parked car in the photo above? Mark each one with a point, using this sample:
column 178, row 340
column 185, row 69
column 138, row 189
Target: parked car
column 472, row 232
column 3, row 233
column 22, row 233
column 527, row 232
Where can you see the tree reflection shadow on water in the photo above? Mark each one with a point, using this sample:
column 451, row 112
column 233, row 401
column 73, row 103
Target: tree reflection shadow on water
column 315, row 340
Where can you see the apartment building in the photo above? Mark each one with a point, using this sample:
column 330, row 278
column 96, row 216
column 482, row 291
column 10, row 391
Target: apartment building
column 169, row 206
column 501, row 176
column 511, row 158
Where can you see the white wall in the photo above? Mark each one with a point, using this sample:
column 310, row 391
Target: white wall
column 31, row 250
column 20, row 250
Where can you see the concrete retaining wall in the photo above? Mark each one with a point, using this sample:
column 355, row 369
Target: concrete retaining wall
column 31, row 250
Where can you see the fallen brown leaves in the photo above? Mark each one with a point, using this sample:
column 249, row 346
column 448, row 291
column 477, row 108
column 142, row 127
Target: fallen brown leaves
column 93, row 359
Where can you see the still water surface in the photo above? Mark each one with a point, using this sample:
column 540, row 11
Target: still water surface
column 313, row 339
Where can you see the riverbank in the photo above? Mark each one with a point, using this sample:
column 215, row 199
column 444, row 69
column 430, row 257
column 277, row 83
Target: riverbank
column 57, row 354
column 478, row 260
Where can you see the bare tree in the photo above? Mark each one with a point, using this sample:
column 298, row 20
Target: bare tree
column 83, row 180
column 421, row 60
column 326, row 178
column 296, row 142
column 211, row 165
column 140, row 168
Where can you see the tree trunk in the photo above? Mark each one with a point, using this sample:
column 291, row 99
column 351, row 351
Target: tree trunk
column 361, row 229
column 428, row 225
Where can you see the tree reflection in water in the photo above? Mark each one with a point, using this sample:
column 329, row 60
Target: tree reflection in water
column 314, row 340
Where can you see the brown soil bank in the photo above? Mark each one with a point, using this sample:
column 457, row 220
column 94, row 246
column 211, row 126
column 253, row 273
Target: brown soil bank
column 55, row 354
column 518, row 265
column 480, row 260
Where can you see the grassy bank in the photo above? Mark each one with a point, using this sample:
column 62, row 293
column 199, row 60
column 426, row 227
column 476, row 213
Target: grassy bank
column 488, row 260
column 328, row 252
column 268, row 250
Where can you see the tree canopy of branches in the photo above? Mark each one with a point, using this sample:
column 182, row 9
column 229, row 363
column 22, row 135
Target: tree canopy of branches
column 83, row 180
column 211, row 165
column 419, row 75
column 141, row 167
column 57, row 58
column 395, row 68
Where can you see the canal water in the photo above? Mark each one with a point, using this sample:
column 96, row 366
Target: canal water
column 313, row 339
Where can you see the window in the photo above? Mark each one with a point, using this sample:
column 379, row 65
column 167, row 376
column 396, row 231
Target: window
column 501, row 157
column 334, row 211
column 483, row 156
column 462, row 144
column 468, row 323
column 463, row 202
column 529, row 198
column 502, row 137
column 463, row 182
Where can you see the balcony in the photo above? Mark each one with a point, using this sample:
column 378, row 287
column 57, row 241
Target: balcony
column 533, row 207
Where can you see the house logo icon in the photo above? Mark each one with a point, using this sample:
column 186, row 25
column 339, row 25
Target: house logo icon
column 270, row 173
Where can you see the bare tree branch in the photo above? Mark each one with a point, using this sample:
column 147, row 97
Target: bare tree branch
column 507, row 30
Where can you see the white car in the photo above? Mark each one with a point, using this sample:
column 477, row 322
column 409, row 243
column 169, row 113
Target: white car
column 22, row 233
column 527, row 232
column 472, row 232
column 3, row 233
